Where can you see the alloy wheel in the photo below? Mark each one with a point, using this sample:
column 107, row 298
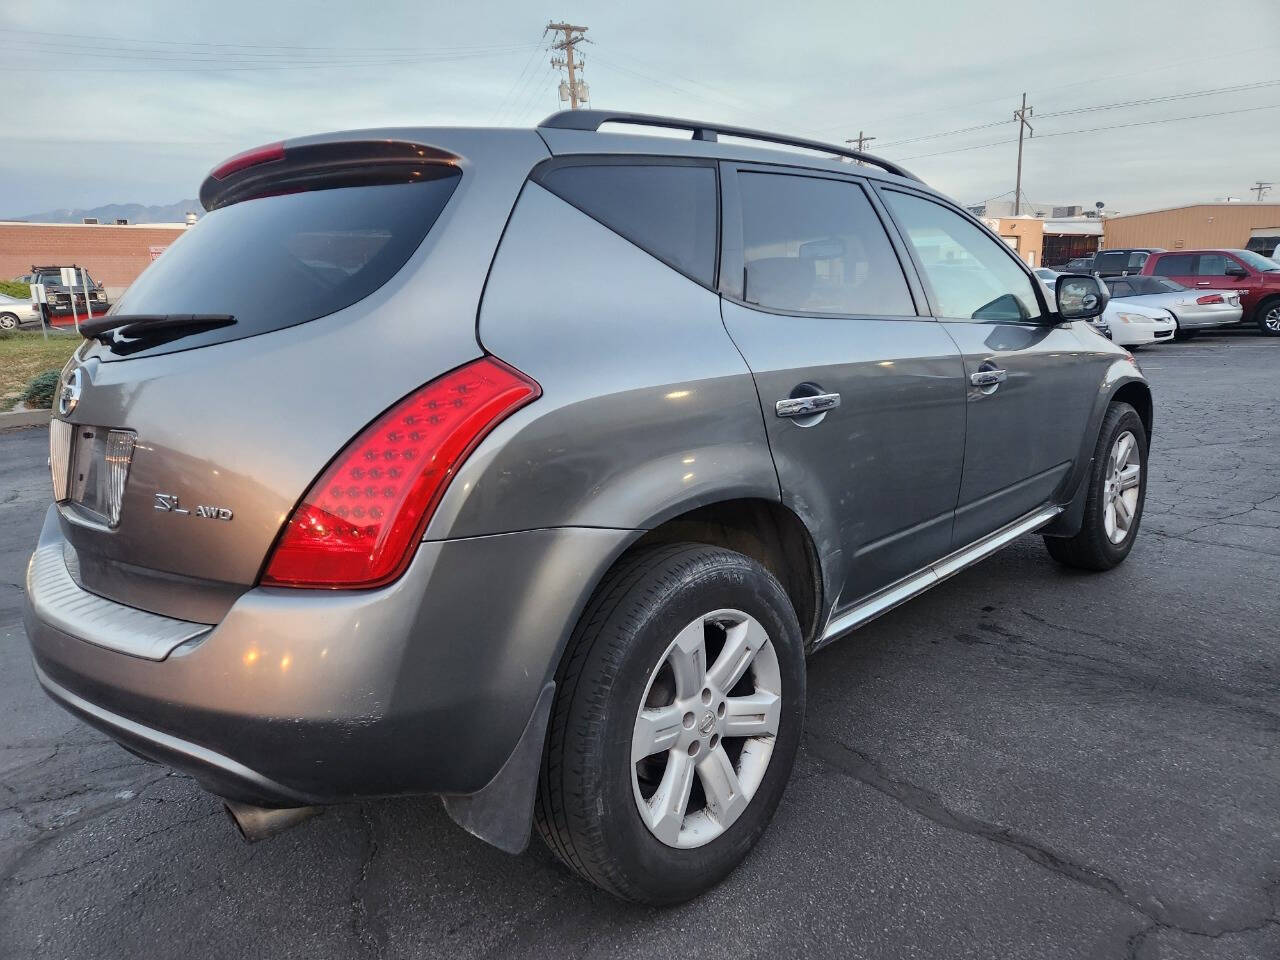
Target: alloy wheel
column 704, row 735
column 1121, row 486
column 1271, row 319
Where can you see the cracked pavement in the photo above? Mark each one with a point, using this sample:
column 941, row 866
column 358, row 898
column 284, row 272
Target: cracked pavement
column 1026, row 762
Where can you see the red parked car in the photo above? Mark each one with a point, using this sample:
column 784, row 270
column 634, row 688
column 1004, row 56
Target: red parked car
column 1255, row 276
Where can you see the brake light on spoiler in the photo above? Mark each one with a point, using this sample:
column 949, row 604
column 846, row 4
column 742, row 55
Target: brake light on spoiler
column 358, row 525
column 250, row 158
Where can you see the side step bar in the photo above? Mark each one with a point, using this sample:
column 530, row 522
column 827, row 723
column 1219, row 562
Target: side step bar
column 917, row 583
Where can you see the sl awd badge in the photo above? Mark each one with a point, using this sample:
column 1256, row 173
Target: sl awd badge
column 169, row 503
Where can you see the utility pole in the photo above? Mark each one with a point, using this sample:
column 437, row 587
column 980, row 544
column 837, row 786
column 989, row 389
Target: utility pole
column 1021, row 115
column 574, row 91
column 1260, row 188
column 860, row 144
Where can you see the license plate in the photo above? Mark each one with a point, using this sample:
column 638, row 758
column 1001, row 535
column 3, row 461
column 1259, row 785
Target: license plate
column 90, row 467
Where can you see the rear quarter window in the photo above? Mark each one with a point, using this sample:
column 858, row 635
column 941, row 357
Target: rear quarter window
column 669, row 210
column 1175, row 265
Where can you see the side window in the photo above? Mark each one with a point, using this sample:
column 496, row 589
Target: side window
column 1175, row 265
column 1213, row 265
column 1120, row 288
column 668, row 210
column 971, row 275
column 813, row 245
column 1137, row 259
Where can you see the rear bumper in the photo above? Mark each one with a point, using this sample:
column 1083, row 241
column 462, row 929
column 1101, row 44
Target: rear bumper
column 302, row 697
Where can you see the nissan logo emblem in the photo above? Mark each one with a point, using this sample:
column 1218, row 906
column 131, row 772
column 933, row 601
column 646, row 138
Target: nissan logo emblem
column 69, row 395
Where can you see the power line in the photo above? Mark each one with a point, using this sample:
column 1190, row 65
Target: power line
column 517, row 88
column 1114, row 126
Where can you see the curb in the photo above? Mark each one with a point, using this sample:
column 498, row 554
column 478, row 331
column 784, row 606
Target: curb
column 24, row 418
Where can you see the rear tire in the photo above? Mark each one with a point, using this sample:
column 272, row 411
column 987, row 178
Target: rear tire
column 8, row 321
column 1111, row 514
column 1268, row 314
column 600, row 806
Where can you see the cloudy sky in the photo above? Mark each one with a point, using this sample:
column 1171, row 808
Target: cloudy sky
column 134, row 101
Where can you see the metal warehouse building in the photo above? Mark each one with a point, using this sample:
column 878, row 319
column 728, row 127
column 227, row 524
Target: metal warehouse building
column 114, row 254
column 1214, row 225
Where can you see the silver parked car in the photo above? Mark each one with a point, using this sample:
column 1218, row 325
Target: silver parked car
column 15, row 313
column 1194, row 310
column 525, row 468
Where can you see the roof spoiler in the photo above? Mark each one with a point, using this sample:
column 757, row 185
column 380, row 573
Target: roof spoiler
column 289, row 168
column 592, row 120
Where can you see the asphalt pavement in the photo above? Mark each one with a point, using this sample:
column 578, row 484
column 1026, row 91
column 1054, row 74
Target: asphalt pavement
column 1024, row 763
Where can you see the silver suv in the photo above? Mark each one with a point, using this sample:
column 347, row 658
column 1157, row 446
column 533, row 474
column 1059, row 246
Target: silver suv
column 525, row 468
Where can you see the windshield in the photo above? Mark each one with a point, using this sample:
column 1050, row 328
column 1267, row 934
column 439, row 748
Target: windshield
column 1258, row 261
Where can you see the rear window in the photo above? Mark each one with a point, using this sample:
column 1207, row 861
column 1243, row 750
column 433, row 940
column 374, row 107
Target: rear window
column 667, row 209
column 277, row 261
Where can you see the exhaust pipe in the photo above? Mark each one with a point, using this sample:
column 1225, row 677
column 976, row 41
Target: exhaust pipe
column 258, row 823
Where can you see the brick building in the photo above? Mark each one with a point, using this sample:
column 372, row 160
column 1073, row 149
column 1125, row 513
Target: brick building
column 113, row 254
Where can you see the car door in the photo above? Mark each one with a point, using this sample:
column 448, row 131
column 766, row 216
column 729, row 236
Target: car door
column 862, row 396
column 1031, row 384
column 1222, row 271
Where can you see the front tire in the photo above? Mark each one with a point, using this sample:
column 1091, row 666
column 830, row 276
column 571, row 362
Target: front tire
column 1117, row 491
column 678, row 714
column 8, row 321
column 1269, row 317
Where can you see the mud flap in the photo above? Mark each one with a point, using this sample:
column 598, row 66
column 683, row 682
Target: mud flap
column 501, row 812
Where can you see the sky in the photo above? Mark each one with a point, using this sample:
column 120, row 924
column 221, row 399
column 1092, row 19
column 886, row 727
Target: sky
column 134, row 101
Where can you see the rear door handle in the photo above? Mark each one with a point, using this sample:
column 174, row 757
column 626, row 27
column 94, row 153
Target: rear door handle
column 806, row 406
column 991, row 377
column 1202, row 283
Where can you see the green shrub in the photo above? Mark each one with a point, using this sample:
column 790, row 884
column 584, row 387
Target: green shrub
column 39, row 392
column 19, row 290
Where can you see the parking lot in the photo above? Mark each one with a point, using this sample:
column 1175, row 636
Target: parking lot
column 1025, row 762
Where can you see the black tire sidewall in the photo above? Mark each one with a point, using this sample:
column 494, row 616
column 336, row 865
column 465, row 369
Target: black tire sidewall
column 721, row 579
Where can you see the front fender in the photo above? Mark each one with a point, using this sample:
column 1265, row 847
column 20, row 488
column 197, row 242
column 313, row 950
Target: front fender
column 1122, row 374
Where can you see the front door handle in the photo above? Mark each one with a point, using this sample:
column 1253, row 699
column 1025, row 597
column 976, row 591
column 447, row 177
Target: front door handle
column 989, row 377
column 806, row 406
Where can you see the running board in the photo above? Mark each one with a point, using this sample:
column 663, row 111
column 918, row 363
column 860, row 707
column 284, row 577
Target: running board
column 917, row 583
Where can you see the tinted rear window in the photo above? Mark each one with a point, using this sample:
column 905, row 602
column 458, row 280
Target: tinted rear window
column 277, row 261
column 669, row 210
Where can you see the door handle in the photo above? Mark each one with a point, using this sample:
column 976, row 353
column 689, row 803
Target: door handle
column 990, row 377
column 806, row 406
column 1202, row 283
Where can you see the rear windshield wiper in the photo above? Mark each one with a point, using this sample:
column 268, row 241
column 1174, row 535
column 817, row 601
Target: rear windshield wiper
column 114, row 328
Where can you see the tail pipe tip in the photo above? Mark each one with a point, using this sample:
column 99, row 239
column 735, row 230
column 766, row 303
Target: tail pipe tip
column 259, row 823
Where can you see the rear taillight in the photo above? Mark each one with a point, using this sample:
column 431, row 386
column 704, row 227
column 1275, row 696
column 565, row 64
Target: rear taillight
column 250, row 158
column 1211, row 298
column 358, row 524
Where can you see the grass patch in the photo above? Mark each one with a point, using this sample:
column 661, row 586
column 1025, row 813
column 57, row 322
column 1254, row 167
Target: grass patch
column 24, row 354
column 20, row 290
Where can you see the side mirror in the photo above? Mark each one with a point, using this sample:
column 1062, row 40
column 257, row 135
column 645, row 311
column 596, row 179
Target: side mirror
column 1237, row 272
column 1081, row 297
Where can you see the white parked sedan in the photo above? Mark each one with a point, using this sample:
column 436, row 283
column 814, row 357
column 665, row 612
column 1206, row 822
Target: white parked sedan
column 16, row 313
column 1133, row 325
column 1193, row 309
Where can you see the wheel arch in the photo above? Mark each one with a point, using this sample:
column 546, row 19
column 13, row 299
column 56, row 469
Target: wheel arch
column 765, row 530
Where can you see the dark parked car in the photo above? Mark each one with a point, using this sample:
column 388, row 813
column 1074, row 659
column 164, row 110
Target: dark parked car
column 1115, row 263
column 1079, row 265
column 525, row 467
column 1257, row 278
column 60, row 298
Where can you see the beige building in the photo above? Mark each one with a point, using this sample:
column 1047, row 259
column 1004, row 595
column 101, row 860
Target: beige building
column 1213, row 225
column 1025, row 234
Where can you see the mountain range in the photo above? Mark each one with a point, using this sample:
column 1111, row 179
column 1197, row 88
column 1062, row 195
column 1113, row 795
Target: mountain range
column 110, row 212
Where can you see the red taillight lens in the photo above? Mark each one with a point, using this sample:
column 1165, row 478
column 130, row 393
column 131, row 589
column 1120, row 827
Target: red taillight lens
column 250, row 158
column 1212, row 298
column 359, row 522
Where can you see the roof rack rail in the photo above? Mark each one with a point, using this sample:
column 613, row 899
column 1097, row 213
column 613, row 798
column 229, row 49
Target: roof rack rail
column 591, row 120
